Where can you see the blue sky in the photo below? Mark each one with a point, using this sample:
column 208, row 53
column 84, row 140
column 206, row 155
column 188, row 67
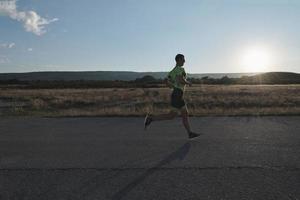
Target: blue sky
column 145, row 35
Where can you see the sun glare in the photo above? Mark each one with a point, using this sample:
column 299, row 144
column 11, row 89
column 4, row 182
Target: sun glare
column 256, row 59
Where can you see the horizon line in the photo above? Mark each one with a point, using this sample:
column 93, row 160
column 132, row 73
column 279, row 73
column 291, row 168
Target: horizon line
column 51, row 71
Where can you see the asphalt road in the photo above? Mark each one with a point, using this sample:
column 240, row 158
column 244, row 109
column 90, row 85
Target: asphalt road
column 113, row 158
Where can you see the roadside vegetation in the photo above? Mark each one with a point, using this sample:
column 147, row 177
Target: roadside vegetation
column 202, row 100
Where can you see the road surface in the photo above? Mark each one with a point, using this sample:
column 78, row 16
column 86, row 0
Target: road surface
column 113, row 158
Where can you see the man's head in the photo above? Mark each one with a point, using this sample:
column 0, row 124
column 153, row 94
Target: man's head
column 179, row 58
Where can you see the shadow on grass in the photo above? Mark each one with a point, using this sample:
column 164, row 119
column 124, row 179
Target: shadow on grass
column 179, row 154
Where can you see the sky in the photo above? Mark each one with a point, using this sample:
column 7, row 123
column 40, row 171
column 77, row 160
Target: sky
column 228, row 36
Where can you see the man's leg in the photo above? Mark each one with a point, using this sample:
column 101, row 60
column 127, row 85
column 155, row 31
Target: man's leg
column 150, row 118
column 185, row 119
column 171, row 115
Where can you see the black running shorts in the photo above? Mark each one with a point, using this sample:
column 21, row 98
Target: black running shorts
column 177, row 100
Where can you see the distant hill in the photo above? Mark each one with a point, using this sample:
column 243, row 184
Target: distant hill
column 272, row 78
column 104, row 75
column 49, row 80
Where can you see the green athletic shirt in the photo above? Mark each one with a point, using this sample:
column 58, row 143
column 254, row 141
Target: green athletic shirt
column 177, row 71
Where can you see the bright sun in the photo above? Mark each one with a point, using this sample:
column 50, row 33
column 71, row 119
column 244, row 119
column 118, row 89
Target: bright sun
column 256, row 59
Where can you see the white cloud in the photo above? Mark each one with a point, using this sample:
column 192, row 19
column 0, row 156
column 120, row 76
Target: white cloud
column 32, row 22
column 7, row 45
column 11, row 45
column 29, row 49
column 4, row 59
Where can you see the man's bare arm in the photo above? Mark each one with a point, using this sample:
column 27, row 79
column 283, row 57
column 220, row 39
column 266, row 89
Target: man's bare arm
column 183, row 80
column 169, row 83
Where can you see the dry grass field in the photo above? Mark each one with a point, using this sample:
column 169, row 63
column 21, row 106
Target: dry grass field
column 202, row 100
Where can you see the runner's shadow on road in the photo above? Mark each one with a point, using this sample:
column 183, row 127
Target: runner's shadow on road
column 179, row 154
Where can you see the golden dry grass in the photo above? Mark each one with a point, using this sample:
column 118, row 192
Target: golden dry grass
column 202, row 100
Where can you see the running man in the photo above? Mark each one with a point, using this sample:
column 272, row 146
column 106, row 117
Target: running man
column 176, row 80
